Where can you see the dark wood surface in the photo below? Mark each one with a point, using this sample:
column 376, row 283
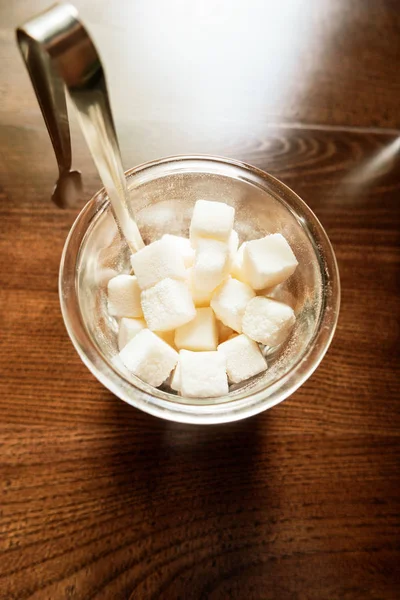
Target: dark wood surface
column 302, row 502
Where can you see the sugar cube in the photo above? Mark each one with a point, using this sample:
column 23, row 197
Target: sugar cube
column 167, row 305
column 200, row 334
column 175, row 382
column 229, row 302
column 243, row 358
column 224, row 332
column 102, row 275
column 237, row 269
column 124, row 297
column 203, row 374
column 233, row 244
column 200, row 297
column 211, row 264
column 148, row 357
column 267, row 321
column 268, row 261
column 182, row 246
column 167, row 336
column 281, row 293
column 157, row 261
column 211, row 220
column 128, row 328
column 119, row 365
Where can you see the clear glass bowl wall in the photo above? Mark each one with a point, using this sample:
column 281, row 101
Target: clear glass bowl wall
column 162, row 195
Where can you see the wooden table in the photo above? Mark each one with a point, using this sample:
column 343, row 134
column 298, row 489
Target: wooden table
column 302, row 502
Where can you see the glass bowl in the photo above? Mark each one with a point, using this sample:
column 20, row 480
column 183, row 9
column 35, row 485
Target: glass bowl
column 162, row 195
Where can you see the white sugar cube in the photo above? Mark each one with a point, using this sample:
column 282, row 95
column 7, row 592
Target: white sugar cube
column 167, row 305
column 124, row 297
column 224, row 332
column 119, row 365
column 203, row 374
column 237, row 269
column 167, row 336
column 280, row 293
column 148, row 357
column 183, row 247
column 233, row 244
column 200, row 334
column 268, row 321
column 200, row 297
column 128, row 328
column 243, row 358
column 268, row 261
column 211, row 220
column 157, row 261
column 229, row 302
column 211, row 264
column 102, row 275
column 175, row 382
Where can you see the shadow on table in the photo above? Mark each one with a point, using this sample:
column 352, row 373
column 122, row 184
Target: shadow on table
column 201, row 494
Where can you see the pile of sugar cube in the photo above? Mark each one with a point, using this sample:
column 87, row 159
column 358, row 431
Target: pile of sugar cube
column 195, row 312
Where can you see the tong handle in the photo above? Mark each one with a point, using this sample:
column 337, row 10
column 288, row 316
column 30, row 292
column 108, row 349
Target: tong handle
column 36, row 40
column 59, row 51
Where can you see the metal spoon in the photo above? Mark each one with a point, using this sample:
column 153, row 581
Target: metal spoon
column 58, row 50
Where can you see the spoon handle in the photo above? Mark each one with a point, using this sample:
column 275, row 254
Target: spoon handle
column 59, row 35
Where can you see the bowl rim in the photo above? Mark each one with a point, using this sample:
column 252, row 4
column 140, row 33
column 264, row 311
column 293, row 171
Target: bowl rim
column 222, row 412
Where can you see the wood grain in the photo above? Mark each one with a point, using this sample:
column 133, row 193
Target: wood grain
column 98, row 500
column 201, row 518
column 364, row 228
column 314, row 61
